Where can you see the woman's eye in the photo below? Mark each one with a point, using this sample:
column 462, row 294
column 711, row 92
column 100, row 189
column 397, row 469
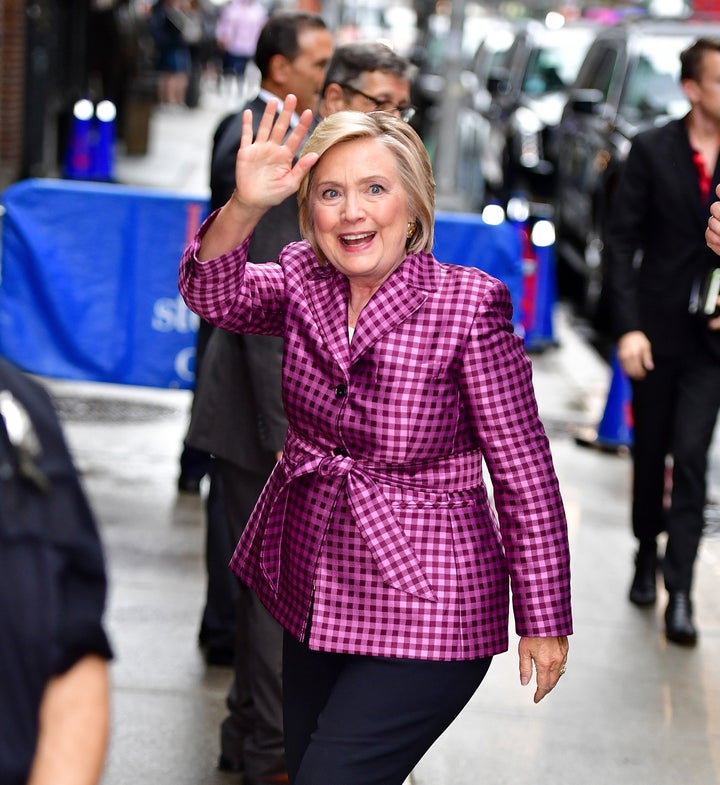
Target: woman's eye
column 376, row 189
column 329, row 193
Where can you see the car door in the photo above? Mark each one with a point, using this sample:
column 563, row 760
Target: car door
column 585, row 138
column 505, row 91
column 490, row 71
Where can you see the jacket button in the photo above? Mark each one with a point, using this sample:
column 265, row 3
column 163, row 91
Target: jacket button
column 341, row 391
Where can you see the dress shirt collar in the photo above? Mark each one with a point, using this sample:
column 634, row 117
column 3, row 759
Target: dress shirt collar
column 267, row 96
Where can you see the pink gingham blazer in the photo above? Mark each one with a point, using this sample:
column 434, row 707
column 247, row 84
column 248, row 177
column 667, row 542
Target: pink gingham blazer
column 375, row 533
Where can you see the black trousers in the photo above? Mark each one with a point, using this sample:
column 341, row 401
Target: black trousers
column 218, row 623
column 356, row 720
column 674, row 408
column 252, row 733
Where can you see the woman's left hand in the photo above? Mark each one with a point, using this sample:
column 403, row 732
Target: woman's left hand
column 549, row 655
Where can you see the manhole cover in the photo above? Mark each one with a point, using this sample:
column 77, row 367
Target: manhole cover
column 83, row 409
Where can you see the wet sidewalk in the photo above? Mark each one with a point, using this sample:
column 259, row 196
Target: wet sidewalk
column 631, row 708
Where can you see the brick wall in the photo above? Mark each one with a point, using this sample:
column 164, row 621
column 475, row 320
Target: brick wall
column 12, row 72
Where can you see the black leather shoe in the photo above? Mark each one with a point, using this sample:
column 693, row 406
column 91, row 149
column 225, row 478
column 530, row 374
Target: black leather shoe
column 679, row 627
column 643, row 590
column 218, row 655
column 226, row 764
column 189, row 484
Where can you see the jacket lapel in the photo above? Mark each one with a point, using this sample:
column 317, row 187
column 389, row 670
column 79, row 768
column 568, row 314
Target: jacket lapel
column 327, row 293
column 397, row 299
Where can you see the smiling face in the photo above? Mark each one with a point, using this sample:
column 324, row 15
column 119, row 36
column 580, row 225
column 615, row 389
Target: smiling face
column 360, row 211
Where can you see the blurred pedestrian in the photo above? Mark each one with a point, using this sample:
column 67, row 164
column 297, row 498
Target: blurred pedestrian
column 655, row 259
column 53, row 646
column 374, row 542
column 238, row 415
column 167, row 19
column 237, row 33
column 194, row 37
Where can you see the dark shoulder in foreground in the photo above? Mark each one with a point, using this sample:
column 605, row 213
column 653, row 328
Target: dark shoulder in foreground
column 30, row 393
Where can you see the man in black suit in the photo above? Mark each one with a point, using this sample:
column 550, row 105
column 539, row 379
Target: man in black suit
column 237, row 413
column 655, row 258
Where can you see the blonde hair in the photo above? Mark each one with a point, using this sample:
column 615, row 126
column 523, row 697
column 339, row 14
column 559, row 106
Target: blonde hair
column 413, row 164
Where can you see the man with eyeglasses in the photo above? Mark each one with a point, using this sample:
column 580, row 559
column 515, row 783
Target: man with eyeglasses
column 368, row 77
column 237, row 416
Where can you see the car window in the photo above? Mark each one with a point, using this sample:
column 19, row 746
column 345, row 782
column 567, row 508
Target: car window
column 491, row 54
column 601, row 77
column 653, row 88
column 552, row 69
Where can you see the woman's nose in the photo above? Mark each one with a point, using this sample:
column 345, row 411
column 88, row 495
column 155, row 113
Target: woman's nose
column 353, row 208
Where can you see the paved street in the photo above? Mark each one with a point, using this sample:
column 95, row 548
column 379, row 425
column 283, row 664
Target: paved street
column 631, row 709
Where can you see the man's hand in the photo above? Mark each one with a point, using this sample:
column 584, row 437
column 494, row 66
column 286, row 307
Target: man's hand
column 712, row 233
column 635, row 354
column 714, row 323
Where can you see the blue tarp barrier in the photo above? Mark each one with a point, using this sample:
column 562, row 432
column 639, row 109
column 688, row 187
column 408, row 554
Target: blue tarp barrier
column 465, row 239
column 89, row 278
column 89, row 282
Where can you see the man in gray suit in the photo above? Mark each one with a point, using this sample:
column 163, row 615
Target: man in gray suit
column 237, row 412
column 245, row 384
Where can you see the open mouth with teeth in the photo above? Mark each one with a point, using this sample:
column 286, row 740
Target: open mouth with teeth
column 352, row 240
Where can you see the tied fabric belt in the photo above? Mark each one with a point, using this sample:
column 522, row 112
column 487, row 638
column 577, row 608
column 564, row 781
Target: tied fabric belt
column 391, row 549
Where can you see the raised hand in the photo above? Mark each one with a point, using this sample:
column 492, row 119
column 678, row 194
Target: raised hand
column 265, row 171
column 265, row 175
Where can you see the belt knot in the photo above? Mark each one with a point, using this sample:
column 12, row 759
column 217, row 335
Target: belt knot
column 336, row 464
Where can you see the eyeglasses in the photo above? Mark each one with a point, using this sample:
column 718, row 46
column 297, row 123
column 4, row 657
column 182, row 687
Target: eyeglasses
column 406, row 112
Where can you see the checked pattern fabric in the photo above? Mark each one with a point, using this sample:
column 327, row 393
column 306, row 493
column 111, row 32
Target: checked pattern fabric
column 376, row 533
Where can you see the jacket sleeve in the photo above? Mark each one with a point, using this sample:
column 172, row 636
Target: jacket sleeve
column 231, row 293
column 496, row 384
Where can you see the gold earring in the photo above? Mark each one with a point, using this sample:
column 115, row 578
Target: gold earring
column 412, row 227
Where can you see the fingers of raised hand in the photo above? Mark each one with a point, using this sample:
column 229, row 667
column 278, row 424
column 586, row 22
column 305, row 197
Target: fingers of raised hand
column 299, row 132
column 268, row 122
column 274, row 128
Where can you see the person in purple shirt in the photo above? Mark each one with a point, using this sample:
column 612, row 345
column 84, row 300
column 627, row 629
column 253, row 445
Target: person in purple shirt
column 375, row 542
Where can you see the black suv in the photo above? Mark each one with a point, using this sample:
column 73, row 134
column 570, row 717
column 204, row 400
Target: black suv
column 628, row 82
column 528, row 90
